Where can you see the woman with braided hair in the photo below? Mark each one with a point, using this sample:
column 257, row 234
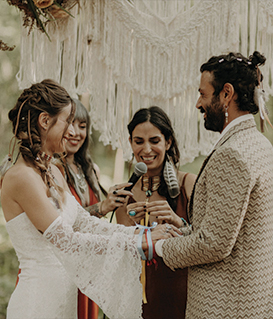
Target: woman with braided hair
column 59, row 245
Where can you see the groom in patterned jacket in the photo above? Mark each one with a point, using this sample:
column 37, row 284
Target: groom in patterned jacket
column 229, row 251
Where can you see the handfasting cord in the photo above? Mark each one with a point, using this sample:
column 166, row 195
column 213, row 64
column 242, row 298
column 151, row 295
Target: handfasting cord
column 148, row 236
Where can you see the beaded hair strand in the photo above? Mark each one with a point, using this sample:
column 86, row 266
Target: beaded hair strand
column 46, row 96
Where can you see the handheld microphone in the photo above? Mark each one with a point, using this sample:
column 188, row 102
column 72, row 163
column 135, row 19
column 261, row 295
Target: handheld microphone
column 139, row 170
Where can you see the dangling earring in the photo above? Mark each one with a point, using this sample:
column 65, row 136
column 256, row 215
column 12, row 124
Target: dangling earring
column 226, row 112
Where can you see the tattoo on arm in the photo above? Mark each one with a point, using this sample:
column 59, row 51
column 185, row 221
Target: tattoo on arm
column 94, row 210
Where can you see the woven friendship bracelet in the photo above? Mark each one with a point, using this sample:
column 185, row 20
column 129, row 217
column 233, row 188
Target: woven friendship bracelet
column 149, row 241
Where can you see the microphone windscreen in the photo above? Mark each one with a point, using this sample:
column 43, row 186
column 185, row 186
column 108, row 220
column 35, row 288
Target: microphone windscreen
column 140, row 169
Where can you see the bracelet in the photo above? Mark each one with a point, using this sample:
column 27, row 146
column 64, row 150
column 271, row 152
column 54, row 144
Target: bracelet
column 183, row 221
column 149, row 241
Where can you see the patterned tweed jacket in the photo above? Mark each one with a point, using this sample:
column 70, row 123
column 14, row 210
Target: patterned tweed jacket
column 230, row 250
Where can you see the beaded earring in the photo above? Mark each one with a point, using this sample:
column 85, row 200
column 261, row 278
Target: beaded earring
column 226, row 112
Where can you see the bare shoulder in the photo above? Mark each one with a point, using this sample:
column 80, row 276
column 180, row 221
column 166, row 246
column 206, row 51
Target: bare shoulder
column 20, row 176
column 24, row 190
column 189, row 181
column 19, row 183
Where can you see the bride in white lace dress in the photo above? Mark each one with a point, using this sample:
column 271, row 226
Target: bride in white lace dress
column 59, row 245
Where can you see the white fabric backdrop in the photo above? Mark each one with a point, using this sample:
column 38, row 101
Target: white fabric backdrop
column 130, row 54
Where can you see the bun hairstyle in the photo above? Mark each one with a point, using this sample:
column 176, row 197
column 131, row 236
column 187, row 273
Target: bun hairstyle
column 46, row 96
column 243, row 73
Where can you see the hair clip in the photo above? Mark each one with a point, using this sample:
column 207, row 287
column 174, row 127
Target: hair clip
column 221, row 60
column 239, row 59
column 249, row 62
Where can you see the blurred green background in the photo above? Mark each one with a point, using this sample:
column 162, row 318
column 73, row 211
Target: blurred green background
column 10, row 25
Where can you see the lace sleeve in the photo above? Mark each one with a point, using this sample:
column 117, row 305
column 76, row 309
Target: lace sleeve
column 85, row 223
column 105, row 268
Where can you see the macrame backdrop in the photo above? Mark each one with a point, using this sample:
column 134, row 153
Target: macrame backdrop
column 129, row 54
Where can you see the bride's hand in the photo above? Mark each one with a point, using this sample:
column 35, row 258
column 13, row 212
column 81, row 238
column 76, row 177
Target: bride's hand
column 162, row 231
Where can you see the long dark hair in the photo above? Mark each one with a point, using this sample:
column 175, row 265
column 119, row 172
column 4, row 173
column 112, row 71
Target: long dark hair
column 160, row 120
column 83, row 157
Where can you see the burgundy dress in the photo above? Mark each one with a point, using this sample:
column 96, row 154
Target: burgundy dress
column 166, row 290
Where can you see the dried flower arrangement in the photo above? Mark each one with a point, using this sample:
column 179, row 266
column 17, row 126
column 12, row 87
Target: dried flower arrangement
column 40, row 12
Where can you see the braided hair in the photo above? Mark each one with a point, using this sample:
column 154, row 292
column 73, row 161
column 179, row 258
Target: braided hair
column 46, row 96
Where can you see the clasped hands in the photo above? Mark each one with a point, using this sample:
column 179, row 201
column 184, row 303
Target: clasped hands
column 163, row 212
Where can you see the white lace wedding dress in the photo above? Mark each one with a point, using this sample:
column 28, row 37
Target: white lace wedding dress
column 75, row 251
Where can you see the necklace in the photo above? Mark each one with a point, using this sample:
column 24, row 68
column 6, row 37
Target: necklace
column 149, row 185
column 79, row 178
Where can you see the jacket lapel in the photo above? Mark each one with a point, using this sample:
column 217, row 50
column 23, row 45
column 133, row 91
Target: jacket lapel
column 235, row 129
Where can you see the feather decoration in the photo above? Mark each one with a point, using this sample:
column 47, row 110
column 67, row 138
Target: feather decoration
column 170, row 178
column 259, row 100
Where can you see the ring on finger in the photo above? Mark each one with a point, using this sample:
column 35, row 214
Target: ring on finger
column 117, row 200
column 132, row 213
column 115, row 192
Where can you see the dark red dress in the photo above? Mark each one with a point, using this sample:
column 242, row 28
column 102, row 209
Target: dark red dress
column 87, row 309
column 166, row 290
